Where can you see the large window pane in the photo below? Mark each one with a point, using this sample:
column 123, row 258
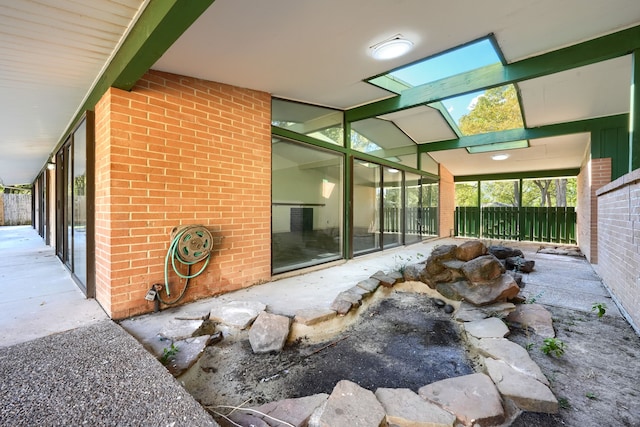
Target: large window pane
column 80, row 203
column 321, row 123
column 366, row 203
column 427, row 164
column 383, row 139
column 306, row 206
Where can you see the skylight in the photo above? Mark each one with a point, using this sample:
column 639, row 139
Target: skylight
column 459, row 60
column 497, row 108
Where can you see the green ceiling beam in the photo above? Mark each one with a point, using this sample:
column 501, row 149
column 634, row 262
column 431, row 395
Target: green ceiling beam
column 590, row 52
column 556, row 173
column 531, row 133
column 634, row 119
column 160, row 24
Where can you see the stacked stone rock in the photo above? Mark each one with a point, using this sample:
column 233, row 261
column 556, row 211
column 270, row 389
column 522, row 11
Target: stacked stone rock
column 472, row 272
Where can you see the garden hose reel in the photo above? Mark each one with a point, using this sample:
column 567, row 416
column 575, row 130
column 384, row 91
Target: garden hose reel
column 194, row 242
column 190, row 244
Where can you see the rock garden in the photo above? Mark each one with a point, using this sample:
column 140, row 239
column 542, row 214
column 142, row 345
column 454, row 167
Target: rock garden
column 447, row 341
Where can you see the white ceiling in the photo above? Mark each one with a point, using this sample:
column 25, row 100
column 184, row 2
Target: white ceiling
column 318, row 52
column 559, row 152
column 52, row 51
column 597, row 90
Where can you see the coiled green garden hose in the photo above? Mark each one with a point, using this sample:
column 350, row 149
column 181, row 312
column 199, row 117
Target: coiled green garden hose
column 190, row 245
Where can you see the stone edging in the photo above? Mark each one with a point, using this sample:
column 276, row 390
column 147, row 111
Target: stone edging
column 509, row 382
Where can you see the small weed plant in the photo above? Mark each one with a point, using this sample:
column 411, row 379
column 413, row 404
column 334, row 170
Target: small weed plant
column 169, row 353
column 533, row 299
column 553, row 346
column 563, row 402
column 402, row 262
column 600, row 308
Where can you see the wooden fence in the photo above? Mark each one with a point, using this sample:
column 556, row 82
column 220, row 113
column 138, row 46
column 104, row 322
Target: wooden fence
column 15, row 209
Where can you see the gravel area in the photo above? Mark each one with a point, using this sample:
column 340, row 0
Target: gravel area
column 98, row 376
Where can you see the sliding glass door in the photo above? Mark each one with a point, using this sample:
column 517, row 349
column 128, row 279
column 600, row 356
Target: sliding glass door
column 73, row 245
column 367, row 191
column 391, row 207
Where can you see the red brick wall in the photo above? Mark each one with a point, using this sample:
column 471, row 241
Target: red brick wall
column 447, row 203
column 619, row 241
column 175, row 151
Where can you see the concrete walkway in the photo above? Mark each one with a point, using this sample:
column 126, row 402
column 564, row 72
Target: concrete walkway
column 37, row 295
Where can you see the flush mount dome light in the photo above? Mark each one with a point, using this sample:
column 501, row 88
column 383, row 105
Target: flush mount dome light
column 500, row 156
column 391, row 48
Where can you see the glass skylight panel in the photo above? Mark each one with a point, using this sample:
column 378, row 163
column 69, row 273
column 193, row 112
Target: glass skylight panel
column 497, row 108
column 491, row 110
column 459, row 60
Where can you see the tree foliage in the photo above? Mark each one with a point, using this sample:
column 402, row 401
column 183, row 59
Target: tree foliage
column 467, row 194
column 496, row 110
column 560, row 192
column 500, row 193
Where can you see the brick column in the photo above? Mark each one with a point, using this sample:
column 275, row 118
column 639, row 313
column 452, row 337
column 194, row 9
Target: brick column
column 446, row 203
column 600, row 176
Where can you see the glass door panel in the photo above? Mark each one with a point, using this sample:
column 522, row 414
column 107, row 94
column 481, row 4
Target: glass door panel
column 68, row 216
column 429, row 208
column 62, row 236
column 413, row 208
column 392, row 207
column 79, row 191
column 366, row 207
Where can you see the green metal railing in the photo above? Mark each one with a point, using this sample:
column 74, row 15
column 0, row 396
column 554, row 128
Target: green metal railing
column 537, row 224
column 423, row 221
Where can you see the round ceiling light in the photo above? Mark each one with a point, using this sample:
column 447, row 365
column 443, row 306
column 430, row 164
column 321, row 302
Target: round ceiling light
column 500, row 156
column 391, row 48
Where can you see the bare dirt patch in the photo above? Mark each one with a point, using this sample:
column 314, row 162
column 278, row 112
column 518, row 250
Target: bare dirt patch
column 402, row 341
column 597, row 380
column 406, row 341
